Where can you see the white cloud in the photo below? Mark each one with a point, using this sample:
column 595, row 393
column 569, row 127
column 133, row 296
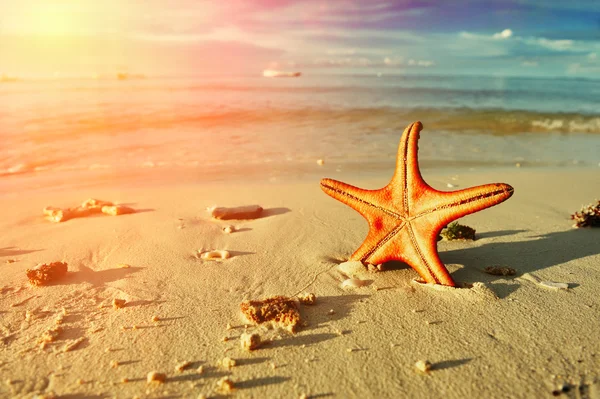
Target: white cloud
column 530, row 63
column 592, row 56
column 558, row 45
column 505, row 34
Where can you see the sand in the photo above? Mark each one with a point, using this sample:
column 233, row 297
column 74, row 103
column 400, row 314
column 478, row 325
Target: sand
column 501, row 336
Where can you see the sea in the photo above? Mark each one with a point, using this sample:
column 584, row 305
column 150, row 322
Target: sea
column 251, row 127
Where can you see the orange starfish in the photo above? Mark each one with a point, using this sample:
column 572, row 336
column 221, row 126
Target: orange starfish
column 406, row 216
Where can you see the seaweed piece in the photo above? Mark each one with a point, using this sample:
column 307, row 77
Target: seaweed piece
column 500, row 271
column 455, row 231
column 588, row 216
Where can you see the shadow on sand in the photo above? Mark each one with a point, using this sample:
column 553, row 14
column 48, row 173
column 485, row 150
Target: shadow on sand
column 537, row 253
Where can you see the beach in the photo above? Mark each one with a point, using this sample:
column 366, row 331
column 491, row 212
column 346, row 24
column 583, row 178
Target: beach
column 494, row 337
column 139, row 296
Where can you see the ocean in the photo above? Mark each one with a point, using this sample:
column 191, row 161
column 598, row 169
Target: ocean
column 256, row 127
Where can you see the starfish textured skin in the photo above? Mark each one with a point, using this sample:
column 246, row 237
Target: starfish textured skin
column 406, row 216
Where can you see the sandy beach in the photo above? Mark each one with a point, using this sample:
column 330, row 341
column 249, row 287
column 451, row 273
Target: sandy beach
column 497, row 337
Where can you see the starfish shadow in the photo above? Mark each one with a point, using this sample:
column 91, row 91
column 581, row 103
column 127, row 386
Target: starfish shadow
column 538, row 253
column 319, row 314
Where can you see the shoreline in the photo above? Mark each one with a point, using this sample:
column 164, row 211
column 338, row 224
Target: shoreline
column 12, row 185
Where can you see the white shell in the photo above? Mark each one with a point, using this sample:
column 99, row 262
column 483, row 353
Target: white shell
column 215, row 255
column 554, row 285
column 354, row 283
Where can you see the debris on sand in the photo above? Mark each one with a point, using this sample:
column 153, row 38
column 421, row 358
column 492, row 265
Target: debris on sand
column 214, row 255
column 456, row 231
column 239, row 213
column 227, row 363
column 88, row 207
column 250, row 342
column 423, row 366
column 228, row 229
column 588, row 216
column 92, row 203
column 307, row 298
column 45, row 273
column 225, row 385
column 116, row 210
column 500, row 271
column 119, row 303
column 183, row 366
column 281, row 311
column 154, row 377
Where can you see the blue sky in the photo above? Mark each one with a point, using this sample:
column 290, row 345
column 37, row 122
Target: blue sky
column 512, row 37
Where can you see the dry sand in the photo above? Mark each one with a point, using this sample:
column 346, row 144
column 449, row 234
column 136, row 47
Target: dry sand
column 503, row 337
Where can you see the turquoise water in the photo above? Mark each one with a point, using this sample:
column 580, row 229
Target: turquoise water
column 286, row 124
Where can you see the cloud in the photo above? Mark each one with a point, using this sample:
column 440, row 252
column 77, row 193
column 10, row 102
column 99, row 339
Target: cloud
column 368, row 62
column 530, row 64
column 557, row 45
column 505, row 34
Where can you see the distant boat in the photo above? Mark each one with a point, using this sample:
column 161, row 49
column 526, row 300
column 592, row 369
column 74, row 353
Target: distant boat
column 270, row 73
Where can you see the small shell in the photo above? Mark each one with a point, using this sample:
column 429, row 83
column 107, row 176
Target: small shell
column 320, row 162
column 424, row 366
column 355, row 283
column 215, row 255
column 228, row 229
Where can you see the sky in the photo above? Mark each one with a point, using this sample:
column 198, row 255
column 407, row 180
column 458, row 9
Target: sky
column 196, row 37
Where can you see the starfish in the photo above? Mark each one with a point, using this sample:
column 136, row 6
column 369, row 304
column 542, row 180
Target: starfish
column 406, row 216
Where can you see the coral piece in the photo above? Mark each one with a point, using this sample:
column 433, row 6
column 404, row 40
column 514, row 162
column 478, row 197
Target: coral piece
column 588, row 216
column 456, row 231
column 250, row 342
column 406, row 215
column 95, row 203
column 46, row 273
column 116, row 210
column 307, row 298
column 278, row 310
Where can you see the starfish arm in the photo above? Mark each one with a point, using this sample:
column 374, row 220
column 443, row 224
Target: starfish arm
column 364, row 201
column 413, row 245
column 407, row 180
column 381, row 232
column 448, row 206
